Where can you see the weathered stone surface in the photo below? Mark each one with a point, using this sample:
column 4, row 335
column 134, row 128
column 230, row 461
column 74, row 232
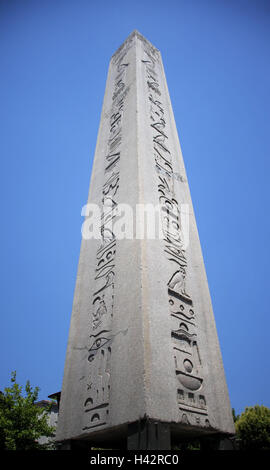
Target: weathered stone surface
column 143, row 341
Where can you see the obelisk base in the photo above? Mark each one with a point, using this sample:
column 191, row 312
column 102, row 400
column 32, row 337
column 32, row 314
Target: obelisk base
column 149, row 435
column 74, row 445
column 216, row 443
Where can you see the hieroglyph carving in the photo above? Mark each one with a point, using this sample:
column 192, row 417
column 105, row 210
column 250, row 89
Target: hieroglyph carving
column 188, row 366
column 97, row 393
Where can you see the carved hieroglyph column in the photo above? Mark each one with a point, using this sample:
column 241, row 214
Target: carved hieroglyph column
column 143, row 342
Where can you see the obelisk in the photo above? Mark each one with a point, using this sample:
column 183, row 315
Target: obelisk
column 143, row 363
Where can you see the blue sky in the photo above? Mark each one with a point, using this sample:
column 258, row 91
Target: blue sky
column 54, row 59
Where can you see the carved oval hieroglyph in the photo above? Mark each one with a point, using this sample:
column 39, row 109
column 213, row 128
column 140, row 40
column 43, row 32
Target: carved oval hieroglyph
column 190, row 382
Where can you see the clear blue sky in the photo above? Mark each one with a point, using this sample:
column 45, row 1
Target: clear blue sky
column 54, row 57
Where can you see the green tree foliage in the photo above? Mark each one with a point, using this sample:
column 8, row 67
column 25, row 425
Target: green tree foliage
column 253, row 428
column 22, row 423
column 235, row 416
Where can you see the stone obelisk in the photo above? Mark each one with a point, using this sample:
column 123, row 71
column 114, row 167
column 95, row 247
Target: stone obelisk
column 143, row 363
